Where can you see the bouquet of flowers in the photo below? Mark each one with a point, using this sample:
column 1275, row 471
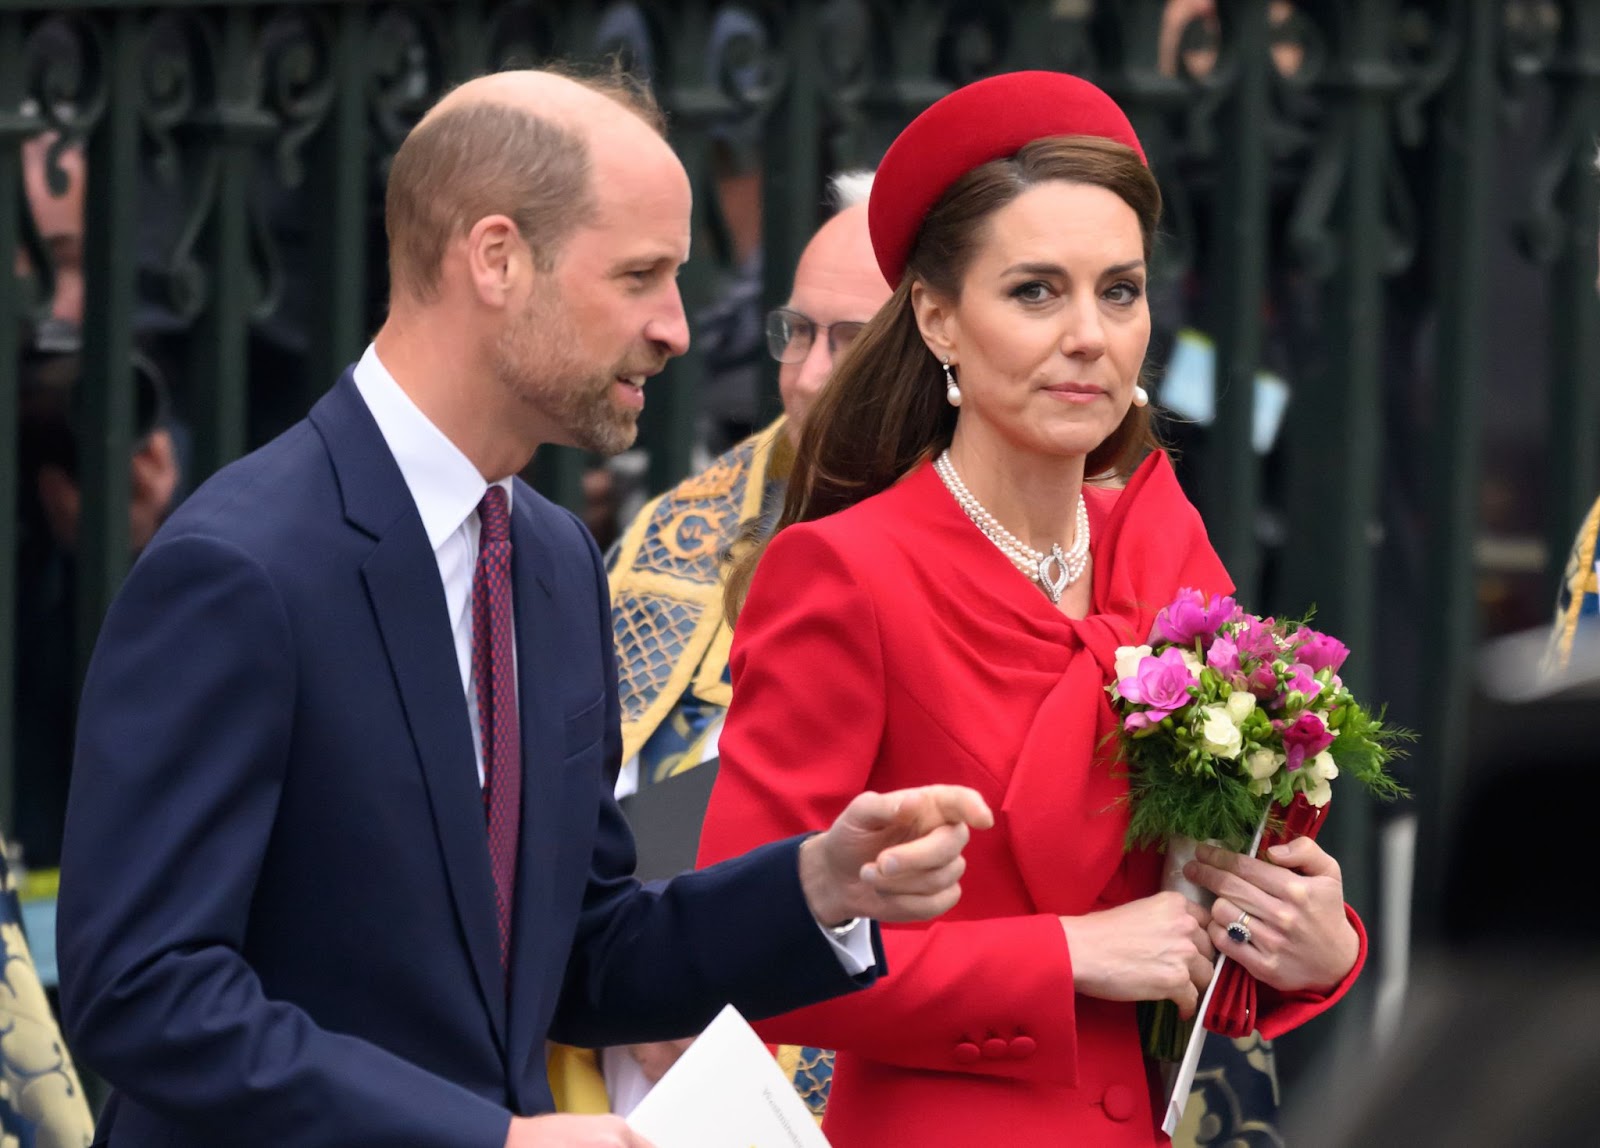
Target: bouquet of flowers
column 1233, row 726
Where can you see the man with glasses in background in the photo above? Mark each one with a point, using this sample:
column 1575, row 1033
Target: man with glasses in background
column 666, row 590
column 666, row 611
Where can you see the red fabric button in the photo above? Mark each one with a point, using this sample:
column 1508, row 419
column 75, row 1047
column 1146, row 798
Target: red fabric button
column 1022, row 1047
column 1119, row 1102
column 967, row 1052
column 994, row 1049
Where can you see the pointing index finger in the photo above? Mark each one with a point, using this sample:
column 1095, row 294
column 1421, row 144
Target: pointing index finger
column 958, row 804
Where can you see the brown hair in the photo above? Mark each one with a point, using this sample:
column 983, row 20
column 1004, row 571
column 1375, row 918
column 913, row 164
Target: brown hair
column 883, row 411
column 486, row 158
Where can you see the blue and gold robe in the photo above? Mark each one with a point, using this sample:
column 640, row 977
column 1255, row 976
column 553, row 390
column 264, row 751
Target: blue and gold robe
column 41, row 1099
column 1578, row 602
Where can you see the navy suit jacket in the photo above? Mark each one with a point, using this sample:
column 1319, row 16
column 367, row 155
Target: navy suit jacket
column 277, row 917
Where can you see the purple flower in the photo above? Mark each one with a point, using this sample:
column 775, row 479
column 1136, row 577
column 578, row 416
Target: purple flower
column 1321, row 651
column 1223, row 656
column 1191, row 616
column 1306, row 738
column 1161, row 684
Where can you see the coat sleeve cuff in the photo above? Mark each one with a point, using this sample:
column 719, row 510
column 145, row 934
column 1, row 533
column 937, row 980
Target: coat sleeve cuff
column 1282, row 1012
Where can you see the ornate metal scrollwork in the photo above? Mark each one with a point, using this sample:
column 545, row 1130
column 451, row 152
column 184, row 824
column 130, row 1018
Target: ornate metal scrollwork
column 520, row 34
column 623, row 33
column 180, row 60
column 1360, row 68
column 1572, row 67
column 65, row 86
column 408, row 72
column 1531, row 35
column 845, row 33
column 296, row 49
column 66, row 83
column 974, row 42
column 845, row 39
column 743, row 65
column 298, row 91
column 1428, row 50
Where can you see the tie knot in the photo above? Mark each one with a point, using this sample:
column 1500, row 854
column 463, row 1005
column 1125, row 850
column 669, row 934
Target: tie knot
column 493, row 516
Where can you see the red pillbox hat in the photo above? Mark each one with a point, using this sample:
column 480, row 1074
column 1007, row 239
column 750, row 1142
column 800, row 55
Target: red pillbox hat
column 987, row 120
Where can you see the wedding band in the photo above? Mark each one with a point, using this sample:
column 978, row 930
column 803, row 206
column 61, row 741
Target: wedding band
column 1239, row 932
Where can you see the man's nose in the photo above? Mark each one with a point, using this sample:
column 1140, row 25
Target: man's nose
column 670, row 328
column 817, row 365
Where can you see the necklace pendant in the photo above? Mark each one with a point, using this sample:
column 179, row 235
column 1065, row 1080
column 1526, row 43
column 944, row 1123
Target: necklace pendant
column 1053, row 582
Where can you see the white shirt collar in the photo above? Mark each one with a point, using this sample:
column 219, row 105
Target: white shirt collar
column 444, row 483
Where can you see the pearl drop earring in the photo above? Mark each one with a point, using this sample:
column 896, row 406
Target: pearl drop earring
column 952, row 392
column 1141, row 397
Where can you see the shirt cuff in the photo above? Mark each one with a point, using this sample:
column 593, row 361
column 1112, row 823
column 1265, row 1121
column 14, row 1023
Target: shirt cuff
column 626, row 1083
column 854, row 948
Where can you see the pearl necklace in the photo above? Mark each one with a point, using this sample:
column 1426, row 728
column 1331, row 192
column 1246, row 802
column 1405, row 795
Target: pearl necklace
column 1054, row 571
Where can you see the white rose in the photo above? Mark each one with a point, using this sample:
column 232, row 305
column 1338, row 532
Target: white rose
column 1263, row 763
column 1321, row 768
column 1318, row 793
column 1192, row 660
column 1241, row 704
column 1128, row 659
column 1218, row 734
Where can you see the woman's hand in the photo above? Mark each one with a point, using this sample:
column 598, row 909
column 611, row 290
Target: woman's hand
column 1151, row 949
column 1301, row 939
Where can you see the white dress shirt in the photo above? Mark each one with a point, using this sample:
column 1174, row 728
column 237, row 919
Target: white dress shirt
column 447, row 487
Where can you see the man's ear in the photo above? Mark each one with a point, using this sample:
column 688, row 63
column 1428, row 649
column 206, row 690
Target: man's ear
column 936, row 319
column 154, row 480
column 498, row 259
column 61, row 500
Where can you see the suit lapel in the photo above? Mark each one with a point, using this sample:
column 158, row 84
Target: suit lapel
column 538, row 668
column 403, row 584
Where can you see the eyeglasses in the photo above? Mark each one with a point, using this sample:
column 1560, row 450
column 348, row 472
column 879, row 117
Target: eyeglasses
column 790, row 335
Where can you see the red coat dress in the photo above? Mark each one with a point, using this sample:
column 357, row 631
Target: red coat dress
column 894, row 645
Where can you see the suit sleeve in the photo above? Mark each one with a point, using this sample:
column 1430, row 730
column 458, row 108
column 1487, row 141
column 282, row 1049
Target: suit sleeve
column 800, row 741
column 183, row 744
column 658, row 961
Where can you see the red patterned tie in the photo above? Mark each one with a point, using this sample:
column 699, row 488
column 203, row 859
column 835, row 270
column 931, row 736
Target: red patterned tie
column 494, row 672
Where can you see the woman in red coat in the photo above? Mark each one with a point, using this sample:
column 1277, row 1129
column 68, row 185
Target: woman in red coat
column 969, row 535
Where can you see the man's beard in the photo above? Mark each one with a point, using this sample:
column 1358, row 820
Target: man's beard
column 536, row 361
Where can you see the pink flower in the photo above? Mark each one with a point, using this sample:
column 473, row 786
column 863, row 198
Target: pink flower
column 1223, row 656
column 1191, row 616
column 1254, row 638
column 1321, row 651
column 1161, row 684
column 1302, row 678
column 1263, row 682
column 1306, row 738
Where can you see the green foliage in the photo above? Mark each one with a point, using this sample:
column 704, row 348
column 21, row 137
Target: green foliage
column 1364, row 746
column 1193, row 798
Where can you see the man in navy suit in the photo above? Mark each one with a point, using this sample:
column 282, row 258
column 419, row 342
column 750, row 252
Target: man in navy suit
column 341, row 851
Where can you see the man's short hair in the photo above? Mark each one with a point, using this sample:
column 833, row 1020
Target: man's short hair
column 850, row 188
column 487, row 158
